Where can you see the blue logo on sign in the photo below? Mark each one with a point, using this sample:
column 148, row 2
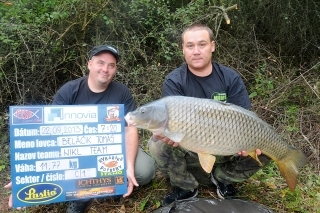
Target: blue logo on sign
column 55, row 113
column 26, row 115
column 39, row 193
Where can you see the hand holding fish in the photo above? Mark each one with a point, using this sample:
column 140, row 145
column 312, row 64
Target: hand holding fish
column 166, row 140
column 244, row 153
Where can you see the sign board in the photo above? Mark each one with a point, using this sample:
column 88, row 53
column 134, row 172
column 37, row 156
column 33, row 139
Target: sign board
column 66, row 152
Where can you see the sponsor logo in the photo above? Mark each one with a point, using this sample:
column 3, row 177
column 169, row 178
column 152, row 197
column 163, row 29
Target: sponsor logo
column 219, row 96
column 26, row 115
column 39, row 193
column 95, row 182
column 104, row 174
column 94, row 192
column 111, row 163
column 71, row 114
column 119, row 180
column 113, row 113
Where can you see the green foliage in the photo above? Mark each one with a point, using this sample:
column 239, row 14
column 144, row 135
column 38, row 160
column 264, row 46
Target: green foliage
column 292, row 114
column 30, row 12
column 263, row 84
column 4, row 141
column 143, row 203
column 269, row 183
column 2, row 165
column 285, row 25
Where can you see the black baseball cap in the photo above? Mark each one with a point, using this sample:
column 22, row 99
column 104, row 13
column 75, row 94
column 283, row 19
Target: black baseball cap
column 104, row 48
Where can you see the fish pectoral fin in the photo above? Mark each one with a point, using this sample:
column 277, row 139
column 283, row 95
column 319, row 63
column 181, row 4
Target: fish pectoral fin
column 174, row 136
column 254, row 155
column 207, row 161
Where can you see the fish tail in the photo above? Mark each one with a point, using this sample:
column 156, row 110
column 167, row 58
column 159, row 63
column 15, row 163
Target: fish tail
column 289, row 165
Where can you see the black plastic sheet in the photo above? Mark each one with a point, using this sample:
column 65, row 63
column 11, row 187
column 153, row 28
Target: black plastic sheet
column 203, row 205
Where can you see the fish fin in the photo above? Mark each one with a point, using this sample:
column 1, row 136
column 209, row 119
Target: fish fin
column 206, row 161
column 254, row 155
column 174, row 136
column 288, row 166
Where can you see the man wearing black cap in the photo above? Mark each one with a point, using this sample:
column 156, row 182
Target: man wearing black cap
column 98, row 87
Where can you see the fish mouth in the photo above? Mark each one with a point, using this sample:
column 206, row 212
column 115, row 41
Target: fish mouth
column 129, row 119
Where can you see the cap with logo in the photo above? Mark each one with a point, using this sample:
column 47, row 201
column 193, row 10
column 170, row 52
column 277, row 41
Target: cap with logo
column 104, row 48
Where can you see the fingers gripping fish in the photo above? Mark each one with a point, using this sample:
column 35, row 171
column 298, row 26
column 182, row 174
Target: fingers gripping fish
column 210, row 128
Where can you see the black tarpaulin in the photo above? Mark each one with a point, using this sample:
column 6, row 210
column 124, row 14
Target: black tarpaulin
column 203, row 205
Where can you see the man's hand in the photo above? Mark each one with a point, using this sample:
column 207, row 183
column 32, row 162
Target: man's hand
column 131, row 182
column 131, row 150
column 8, row 186
column 244, row 153
column 166, row 140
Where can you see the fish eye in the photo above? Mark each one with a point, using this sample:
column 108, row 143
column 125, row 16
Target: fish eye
column 143, row 110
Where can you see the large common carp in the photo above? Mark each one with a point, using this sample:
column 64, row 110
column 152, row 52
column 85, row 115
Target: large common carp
column 210, row 128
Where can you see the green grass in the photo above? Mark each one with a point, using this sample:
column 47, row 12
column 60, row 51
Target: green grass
column 269, row 188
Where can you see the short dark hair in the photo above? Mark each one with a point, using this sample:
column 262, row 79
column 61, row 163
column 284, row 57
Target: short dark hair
column 104, row 48
column 198, row 26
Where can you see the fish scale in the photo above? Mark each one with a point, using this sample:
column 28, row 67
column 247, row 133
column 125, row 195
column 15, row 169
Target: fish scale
column 210, row 128
column 196, row 133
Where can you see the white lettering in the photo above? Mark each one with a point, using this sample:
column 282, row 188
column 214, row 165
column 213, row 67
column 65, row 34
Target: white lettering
column 45, row 143
column 54, row 177
column 18, row 144
column 25, row 132
column 24, row 168
column 27, row 179
column 47, row 155
column 24, row 156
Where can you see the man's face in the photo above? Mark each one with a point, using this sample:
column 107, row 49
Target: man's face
column 102, row 68
column 197, row 49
